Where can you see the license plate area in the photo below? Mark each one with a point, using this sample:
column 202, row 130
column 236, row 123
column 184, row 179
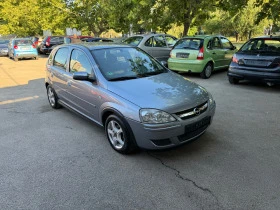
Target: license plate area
column 25, row 48
column 182, row 55
column 256, row 63
column 198, row 125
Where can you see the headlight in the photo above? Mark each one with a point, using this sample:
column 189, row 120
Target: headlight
column 211, row 100
column 154, row 116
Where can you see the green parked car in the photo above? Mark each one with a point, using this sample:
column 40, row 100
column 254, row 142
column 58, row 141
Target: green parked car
column 201, row 54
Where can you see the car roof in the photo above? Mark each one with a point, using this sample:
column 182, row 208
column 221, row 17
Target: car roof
column 21, row 39
column 147, row 35
column 99, row 45
column 202, row 36
column 267, row 37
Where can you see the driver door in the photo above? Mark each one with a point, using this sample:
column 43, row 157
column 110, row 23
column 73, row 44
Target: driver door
column 84, row 94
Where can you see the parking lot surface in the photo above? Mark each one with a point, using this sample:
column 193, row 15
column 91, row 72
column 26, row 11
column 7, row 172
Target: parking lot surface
column 55, row 159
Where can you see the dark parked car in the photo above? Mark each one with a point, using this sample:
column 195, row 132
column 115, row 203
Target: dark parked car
column 4, row 47
column 49, row 43
column 157, row 45
column 138, row 101
column 96, row 39
column 258, row 60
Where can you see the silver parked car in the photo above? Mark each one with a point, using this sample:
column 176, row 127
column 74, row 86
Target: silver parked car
column 157, row 45
column 138, row 101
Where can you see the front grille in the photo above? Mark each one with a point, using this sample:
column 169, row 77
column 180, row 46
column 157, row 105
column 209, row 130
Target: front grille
column 189, row 113
column 195, row 129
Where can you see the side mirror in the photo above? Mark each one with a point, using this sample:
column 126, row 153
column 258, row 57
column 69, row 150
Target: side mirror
column 84, row 76
column 164, row 63
column 233, row 47
column 80, row 76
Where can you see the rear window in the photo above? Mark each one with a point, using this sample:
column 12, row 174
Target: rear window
column 189, row 43
column 267, row 46
column 23, row 42
column 134, row 41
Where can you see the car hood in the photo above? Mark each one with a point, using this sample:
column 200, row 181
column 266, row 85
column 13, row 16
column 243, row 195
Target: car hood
column 167, row 91
column 3, row 46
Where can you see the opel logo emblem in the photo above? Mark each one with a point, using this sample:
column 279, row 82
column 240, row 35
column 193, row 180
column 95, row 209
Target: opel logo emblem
column 196, row 111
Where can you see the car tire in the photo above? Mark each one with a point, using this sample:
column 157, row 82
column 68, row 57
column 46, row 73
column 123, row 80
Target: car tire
column 207, row 71
column 233, row 80
column 36, row 58
column 120, row 135
column 52, row 97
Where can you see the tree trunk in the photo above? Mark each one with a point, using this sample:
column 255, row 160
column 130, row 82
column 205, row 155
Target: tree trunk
column 187, row 25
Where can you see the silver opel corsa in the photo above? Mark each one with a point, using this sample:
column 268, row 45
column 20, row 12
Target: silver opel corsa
column 138, row 101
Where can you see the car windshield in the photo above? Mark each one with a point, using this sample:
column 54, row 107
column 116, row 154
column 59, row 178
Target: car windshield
column 23, row 42
column 4, row 41
column 189, row 43
column 126, row 63
column 134, row 41
column 262, row 46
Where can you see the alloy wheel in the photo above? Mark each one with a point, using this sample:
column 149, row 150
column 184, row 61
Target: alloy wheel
column 51, row 97
column 115, row 134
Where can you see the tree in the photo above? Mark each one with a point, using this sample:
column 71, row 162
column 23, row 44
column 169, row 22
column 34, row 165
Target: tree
column 91, row 15
column 269, row 9
column 30, row 17
column 188, row 12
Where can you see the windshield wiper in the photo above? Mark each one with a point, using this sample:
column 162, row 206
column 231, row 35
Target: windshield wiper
column 123, row 78
column 151, row 73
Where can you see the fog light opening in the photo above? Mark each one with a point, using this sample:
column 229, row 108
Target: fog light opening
column 270, row 84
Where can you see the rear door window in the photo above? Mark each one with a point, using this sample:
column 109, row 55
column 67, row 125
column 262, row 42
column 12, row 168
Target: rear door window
column 159, row 41
column 216, row 44
column 60, row 58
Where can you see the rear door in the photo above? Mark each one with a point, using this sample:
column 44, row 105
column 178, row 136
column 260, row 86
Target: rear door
column 216, row 51
column 58, row 74
column 160, row 50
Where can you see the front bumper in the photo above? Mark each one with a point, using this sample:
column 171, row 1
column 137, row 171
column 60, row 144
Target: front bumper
column 262, row 76
column 172, row 134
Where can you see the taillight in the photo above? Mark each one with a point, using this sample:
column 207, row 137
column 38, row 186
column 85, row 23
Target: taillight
column 48, row 41
column 200, row 54
column 16, row 47
column 34, row 46
column 234, row 59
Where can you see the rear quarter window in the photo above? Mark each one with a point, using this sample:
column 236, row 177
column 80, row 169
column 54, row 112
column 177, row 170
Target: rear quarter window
column 60, row 58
